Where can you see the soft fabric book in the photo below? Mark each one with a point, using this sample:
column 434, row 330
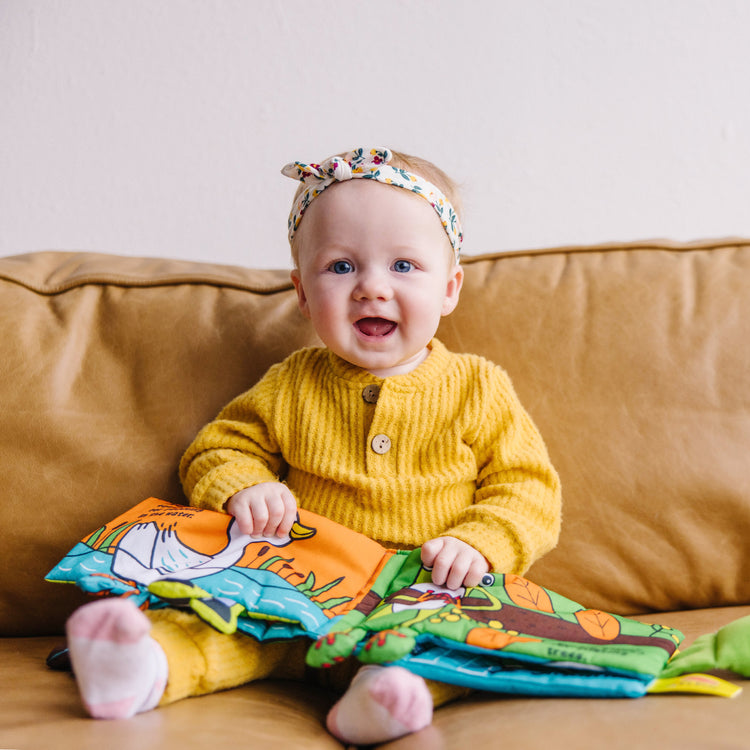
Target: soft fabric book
column 352, row 597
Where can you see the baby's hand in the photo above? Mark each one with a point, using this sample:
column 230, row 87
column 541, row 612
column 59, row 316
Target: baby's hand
column 266, row 509
column 454, row 563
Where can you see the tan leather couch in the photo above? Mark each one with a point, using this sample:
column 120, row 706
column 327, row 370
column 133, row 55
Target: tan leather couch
column 633, row 359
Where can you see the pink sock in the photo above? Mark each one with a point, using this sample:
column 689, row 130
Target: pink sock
column 381, row 704
column 120, row 669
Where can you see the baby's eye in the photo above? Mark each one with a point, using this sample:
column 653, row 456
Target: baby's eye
column 341, row 266
column 403, row 266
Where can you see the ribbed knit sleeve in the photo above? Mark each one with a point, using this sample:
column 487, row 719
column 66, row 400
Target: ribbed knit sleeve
column 237, row 450
column 516, row 514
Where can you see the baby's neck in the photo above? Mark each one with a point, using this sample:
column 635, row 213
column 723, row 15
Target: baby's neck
column 405, row 367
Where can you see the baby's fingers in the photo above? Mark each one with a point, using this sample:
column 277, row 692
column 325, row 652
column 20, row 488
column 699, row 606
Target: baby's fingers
column 454, row 563
column 430, row 550
column 282, row 512
column 267, row 509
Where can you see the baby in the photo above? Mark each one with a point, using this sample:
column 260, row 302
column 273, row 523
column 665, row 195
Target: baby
column 382, row 430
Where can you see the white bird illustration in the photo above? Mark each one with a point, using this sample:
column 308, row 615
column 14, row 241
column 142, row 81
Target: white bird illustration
column 147, row 553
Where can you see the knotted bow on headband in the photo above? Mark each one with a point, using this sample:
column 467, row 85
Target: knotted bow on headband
column 368, row 164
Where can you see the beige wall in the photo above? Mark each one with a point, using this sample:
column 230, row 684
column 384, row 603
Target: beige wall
column 157, row 127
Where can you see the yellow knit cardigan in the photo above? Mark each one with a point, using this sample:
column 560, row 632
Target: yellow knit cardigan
column 446, row 449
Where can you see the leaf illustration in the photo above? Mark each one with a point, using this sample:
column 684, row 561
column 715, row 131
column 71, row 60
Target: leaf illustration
column 598, row 624
column 107, row 543
column 325, row 587
column 272, row 560
column 488, row 638
column 92, row 539
column 526, row 594
column 307, row 584
column 493, row 639
column 336, row 602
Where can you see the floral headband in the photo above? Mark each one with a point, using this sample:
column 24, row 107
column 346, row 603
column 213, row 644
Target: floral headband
column 368, row 164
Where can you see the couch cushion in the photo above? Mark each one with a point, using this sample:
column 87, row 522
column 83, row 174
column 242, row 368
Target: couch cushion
column 108, row 367
column 632, row 359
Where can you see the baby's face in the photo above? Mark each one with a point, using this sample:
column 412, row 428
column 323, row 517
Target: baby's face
column 375, row 274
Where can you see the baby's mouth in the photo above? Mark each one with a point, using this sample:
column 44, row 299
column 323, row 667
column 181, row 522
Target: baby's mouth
column 375, row 326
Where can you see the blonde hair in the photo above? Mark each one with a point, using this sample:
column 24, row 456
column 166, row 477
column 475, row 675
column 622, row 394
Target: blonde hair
column 414, row 164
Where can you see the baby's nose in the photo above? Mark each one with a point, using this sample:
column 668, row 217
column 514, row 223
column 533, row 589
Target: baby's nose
column 373, row 285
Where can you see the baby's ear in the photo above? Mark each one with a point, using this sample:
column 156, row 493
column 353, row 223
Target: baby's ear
column 301, row 296
column 453, row 289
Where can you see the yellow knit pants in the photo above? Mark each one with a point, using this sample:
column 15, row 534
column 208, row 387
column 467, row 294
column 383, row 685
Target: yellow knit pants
column 201, row 660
